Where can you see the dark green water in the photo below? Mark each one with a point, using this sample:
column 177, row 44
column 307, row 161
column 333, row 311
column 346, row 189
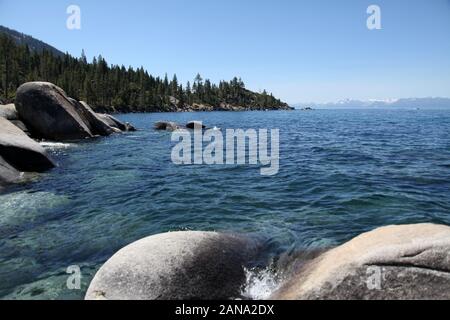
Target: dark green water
column 341, row 173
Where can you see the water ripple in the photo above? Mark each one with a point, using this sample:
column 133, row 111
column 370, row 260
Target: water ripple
column 341, row 173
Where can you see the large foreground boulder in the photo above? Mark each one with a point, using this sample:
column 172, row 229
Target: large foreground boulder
column 48, row 112
column 395, row 262
column 20, row 151
column 173, row 266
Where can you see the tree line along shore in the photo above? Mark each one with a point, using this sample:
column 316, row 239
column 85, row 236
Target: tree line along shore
column 114, row 88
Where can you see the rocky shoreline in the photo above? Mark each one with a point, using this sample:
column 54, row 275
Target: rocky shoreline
column 394, row 262
column 43, row 112
column 197, row 107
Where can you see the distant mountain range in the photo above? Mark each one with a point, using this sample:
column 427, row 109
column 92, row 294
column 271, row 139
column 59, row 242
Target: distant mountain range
column 33, row 44
column 408, row 103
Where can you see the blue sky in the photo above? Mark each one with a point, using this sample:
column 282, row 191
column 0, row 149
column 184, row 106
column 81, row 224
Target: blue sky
column 302, row 51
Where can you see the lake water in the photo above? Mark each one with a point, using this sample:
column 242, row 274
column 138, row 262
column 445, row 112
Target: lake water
column 341, row 173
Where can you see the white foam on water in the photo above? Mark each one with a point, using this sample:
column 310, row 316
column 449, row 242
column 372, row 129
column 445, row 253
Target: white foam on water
column 260, row 284
column 55, row 145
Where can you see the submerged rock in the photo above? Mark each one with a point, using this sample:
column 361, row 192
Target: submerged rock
column 174, row 266
column 167, row 126
column 48, row 112
column 9, row 112
column 20, row 151
column 195, row 124
column 394, row 262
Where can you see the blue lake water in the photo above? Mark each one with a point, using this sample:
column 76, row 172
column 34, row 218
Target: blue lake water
column 342, row 172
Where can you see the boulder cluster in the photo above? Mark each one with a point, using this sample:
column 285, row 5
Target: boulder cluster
column 395, row 262
column 173, row 126
column 43, row 111
column 201, row 107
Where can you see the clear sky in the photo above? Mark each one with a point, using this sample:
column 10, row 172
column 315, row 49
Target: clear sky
column 302, row 51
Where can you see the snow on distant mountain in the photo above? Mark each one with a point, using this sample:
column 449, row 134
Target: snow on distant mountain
column 425, row 103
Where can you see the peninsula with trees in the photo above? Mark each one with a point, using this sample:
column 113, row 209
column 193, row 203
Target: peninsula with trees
column 118, row 89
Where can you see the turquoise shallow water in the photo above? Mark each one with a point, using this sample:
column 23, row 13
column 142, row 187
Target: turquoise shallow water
column 341, row 173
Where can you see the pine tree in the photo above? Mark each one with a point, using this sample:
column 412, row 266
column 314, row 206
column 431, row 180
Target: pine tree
column 174, row 86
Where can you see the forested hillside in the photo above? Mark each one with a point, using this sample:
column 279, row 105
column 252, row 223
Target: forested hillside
column 117, row 88
column 33, row 44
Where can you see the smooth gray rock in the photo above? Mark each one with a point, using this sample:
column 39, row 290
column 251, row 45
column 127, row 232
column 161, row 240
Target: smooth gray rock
column 9, row 112
column 394, row 262
column 129, row 127
column 195, row 124
column 8, row 174
column 115, row 123
column 20, row 151
column 48, row 112
column 19, row 124
column 166, row 126
column 95, row 124
column 174, row 266
column 112, row 122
